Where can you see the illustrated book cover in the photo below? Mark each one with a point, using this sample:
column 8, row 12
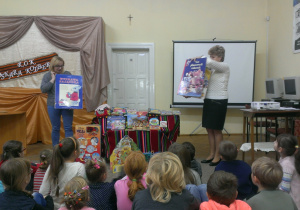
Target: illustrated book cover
column 68, row 91
column 116, row 122
column 194, row 79
column 138, row 121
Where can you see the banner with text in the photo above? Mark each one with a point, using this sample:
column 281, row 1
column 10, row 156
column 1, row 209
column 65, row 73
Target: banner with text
column 25, row 67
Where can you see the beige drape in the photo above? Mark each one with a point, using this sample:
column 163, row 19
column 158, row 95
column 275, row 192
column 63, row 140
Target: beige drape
column 34, row 103
column 84, row 34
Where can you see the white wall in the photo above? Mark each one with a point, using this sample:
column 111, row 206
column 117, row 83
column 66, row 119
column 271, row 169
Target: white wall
column 160, row 22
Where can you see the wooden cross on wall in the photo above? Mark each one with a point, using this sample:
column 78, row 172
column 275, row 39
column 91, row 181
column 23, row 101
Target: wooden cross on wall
column 130, row 17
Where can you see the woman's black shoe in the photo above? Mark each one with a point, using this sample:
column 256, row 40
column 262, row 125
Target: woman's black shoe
column 214, row 163
column 206, row 161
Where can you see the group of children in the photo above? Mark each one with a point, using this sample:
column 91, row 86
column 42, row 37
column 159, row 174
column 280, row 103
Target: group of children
column 171, row 180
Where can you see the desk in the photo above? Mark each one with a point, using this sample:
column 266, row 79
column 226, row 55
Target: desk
column 12, row 127
column 251, row 114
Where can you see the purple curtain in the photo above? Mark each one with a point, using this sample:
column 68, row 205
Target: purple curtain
column 84, row 34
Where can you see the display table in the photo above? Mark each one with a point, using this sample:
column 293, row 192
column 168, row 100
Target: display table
column 12, row 127
column 146, row 140
column 251, row 114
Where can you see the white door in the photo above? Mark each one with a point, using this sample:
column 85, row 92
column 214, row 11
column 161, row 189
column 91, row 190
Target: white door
column 131, row 78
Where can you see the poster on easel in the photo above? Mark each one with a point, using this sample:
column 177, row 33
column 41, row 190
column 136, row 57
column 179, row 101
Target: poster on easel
column 68, row 91
column 194, row 79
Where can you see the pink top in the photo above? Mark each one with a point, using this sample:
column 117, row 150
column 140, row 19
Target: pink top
column 213, row 205
column 121, row 188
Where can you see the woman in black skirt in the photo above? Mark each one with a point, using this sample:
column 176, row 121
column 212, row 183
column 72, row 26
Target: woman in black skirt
column 215, row 102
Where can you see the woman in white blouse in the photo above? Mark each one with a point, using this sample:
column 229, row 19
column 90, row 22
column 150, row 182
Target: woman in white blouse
column 215, row 102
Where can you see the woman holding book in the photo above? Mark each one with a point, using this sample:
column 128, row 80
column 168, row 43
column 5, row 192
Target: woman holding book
column 48, row 86
column 215, row 102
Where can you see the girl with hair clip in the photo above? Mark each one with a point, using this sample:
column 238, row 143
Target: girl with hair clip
column 45, row 158
column 62, row 169
column 166, row 185
column 96, row 173
column 48, row 86
column 76, row 195
column 287, row 147
column 135, row 166
column 15, row 174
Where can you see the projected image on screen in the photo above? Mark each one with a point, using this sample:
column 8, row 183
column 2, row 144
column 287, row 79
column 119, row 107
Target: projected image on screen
column 290, row 87
column 270, row 87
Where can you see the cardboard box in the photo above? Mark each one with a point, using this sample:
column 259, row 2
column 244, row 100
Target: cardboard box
column 89, row 137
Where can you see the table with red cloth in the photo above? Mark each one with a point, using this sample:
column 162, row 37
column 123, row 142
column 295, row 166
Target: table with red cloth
column 146, row 140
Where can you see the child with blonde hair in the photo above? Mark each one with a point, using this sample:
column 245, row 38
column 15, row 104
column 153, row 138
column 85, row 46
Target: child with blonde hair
column 287, row 147
column 96, row 173
column 15, row 174
column 62, row 169
column 267, row 175
column 135, row 166
column 45, row 158
column 222, row 193
column 166, row 185
column 76, row 194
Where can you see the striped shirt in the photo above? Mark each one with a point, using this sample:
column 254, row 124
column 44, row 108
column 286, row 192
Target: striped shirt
column 38, row 179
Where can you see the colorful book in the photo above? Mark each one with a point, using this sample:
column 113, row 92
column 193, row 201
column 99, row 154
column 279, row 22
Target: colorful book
column 154, row 123
column 194, row 79
column 68, row 91
column 116, row 122
column 138, row 121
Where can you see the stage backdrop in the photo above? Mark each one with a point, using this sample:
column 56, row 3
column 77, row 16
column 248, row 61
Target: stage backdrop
column 79, row 40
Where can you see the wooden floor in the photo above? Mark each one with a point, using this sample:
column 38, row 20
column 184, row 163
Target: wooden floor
column 199, row 141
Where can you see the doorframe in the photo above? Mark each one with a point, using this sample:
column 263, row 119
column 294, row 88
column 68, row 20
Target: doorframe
column 110, row 47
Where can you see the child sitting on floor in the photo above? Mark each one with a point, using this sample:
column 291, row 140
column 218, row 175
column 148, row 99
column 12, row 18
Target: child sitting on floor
column 222, row 193
column 166, row 186
column 45, row 158
column 15, row 174
column 267, row 175
column 228, row 152
column 287, row 147
column 14, row 149
column 135, row 166
column 195, row 165
column 190, row 176
column 62, row 169
column 76, row 194
column 96, row 173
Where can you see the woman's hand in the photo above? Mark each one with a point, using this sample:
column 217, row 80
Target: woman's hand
column 194, row 59
column 52, row 77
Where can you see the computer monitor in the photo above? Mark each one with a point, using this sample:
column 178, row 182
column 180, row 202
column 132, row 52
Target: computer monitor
column 274, row 88
column 291, row 88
